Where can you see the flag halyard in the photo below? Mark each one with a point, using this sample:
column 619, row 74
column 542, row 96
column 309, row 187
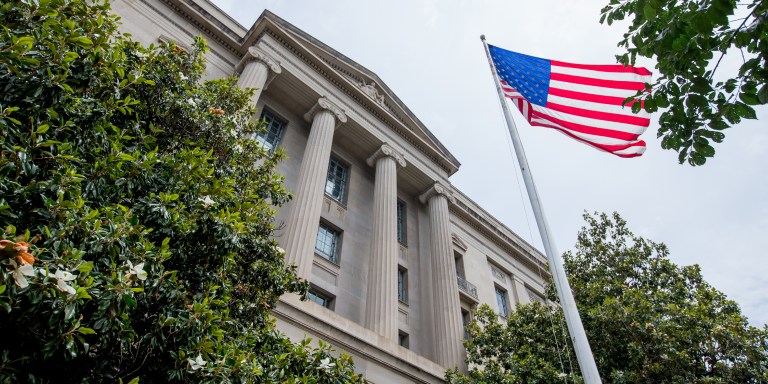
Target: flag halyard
column 581, row 101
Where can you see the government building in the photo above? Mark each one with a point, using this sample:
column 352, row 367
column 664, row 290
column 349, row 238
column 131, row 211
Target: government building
column 397, row 257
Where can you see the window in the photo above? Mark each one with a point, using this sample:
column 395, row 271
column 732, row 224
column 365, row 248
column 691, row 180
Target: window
column 402, row 339
column 459, row 260
column 402, row 285
column 465, row 320
column 501, row 300
column 336, row 184
column 273, row 131
column 319, row 298
column 327, row 243
column 401, row 220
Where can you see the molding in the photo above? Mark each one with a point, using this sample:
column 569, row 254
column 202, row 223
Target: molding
column 435, row 190
column 410, row 138
column 386, row 150
column 256, row 54
column 323, row 104
column 458, row 242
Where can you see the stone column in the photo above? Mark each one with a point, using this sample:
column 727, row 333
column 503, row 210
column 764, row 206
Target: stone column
column 304, row 217
column 381, row 300
column 449, row 329
column 257, row 69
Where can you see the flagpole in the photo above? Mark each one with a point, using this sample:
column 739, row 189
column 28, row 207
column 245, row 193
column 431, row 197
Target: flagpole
column 575, row 328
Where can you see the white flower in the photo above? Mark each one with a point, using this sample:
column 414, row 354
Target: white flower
column 62, row 277
column 137, row 270
column 197, row 363
column 20, row 273
column 561, row 375
column 207, row 201
column 280, row 250
column 325, row 364
column 191, row 102
column 182, row 76
column 238, row 148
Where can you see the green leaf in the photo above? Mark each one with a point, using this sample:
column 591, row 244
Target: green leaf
column 762, row 94
column 42, row 128
column 81, row 41
column 749, row 98
column 86, row 331
column 649, row 12
column 745, row 111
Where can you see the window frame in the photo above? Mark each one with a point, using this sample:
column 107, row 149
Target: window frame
column 343, row 191
column 328, row 300
column 502, row 304
column 403, row 339
column 337, row 235
column 402, row 222
column 402, row 284
column 270, row 118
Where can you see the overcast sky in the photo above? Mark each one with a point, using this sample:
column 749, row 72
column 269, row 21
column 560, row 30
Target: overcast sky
column 429, row 53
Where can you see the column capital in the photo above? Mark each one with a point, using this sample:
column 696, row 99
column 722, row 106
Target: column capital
column 386, row 150
column 258, row 54
column 435, row 190
column 324, row 104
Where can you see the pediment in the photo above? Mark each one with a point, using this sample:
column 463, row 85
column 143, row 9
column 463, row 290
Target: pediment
column 369, row 85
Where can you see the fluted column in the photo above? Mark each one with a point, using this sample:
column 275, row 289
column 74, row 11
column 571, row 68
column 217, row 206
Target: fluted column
column 381, row 300
column 304, row 216
column 449, row 351
column 256, row 70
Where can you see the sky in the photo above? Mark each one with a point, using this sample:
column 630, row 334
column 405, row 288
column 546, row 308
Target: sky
column 429, row 53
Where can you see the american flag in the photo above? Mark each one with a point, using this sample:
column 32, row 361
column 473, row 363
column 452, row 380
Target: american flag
column 582, row 101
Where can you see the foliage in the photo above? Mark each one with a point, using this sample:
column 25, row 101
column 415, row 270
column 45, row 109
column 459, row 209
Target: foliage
column 136, row 214
column 688, row 40
column 647, row 320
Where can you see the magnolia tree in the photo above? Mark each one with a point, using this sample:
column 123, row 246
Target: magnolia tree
column 647, row 320
column 136, row 214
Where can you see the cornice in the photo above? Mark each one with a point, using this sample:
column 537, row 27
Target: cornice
column 462, row 211
column 355, row 95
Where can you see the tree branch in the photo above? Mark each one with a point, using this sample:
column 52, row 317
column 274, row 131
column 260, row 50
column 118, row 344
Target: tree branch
column 733, row 36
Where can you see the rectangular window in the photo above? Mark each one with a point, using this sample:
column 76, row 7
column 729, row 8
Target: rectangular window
column 327, row 243
column 465, row 319
column 402, row 285
column 401, row 227
column 402, row 339
column 319, row 298
column 273, row 131
column 336, row 183
column 501, row 300
column 458, row 258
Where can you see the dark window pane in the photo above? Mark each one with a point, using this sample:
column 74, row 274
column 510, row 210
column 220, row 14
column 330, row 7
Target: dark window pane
column 270, row 137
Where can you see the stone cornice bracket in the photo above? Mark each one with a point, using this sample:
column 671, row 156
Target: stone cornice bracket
column 386, row 150
column 258, row 54
column 325, row 104
column 437, row 189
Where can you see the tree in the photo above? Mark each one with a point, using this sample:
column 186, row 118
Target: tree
column 136, row 213
column 647, row 320
column 689, row 39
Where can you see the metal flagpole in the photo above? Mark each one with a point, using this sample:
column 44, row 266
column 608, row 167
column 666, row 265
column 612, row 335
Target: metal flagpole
column 572, row 319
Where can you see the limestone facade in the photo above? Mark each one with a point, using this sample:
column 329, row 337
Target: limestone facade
column 396, row 255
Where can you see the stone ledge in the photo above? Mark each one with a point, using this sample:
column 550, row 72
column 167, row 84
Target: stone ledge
column 354, row 339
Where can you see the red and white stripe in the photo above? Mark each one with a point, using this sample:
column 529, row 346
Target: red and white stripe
column 584, row 102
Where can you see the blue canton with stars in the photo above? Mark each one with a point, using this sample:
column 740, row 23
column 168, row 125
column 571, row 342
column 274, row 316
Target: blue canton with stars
column 527, row 74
